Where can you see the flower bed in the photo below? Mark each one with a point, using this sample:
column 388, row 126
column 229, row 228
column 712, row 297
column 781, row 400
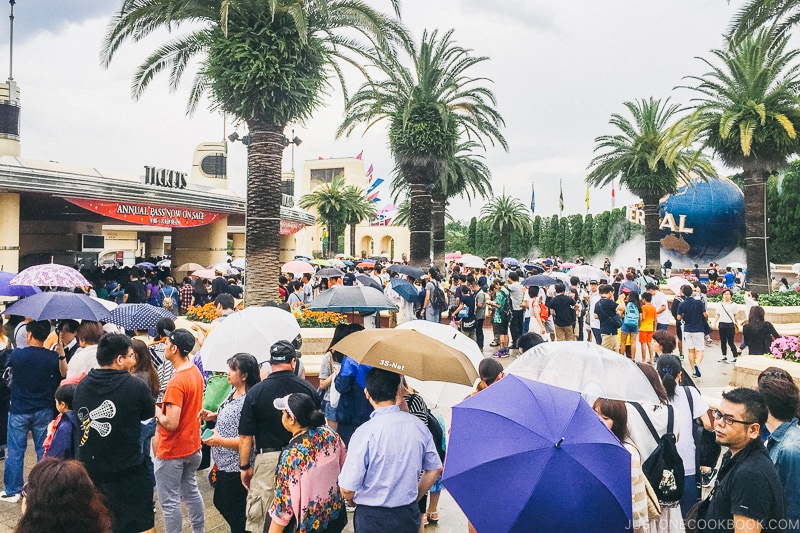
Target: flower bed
column 785, row 347
column 318, row 319
column 206, row 313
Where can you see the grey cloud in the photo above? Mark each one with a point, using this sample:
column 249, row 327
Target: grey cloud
column 34, row 16
column 514, row 11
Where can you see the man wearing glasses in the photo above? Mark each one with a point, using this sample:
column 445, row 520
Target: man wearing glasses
column 748, row 495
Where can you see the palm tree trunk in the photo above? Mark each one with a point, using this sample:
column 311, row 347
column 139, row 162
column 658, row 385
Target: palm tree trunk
column 263, row 219
column 438, row 211
column 352, row 240
column 333, row 239
column 505, row 244
column 420, row 225
column 755, row 209
column 652, row 235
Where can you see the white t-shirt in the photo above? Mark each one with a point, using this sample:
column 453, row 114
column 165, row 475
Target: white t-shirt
column 639, row 433
column 594, row 297
column 529, row 305
column 685, row 416
column 659, row 299
column 727, row 312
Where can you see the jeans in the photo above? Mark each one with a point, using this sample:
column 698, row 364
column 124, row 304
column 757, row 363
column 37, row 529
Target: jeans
column 662, row 327
column 145, row 438
column 516, row 326
column 230, row 499
column 596, row 335
column 479, row 332
column 526, row 325
column 691, row 494
column 404, row 519
column 176, row 480
column 18, row 427
column 726, row 333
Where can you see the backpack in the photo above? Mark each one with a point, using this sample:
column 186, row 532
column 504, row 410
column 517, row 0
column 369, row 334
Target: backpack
column 168, row 302
column 664, row 468
column 544, row 312
column 437, row 433
column 438, row 299
column 631, row 319
column 676, row 302
column 508, row 309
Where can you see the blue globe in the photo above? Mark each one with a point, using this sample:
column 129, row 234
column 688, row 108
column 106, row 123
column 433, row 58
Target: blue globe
column 703, row 221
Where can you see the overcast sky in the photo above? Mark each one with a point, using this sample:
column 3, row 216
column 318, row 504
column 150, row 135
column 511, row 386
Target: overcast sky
column 560, row 69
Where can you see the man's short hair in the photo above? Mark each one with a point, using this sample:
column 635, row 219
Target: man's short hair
column 225, row 300
column 513, row 276
column 574, row 280
column 528, row 341
column 382, row 385
column 39, row 329
column 651, row 287
column 647, row 297
column 560, row 288
column 779, row 392
column 755, row 410
column 687, row 290
column 605, row 289
column 112, row 346
column 69, row 325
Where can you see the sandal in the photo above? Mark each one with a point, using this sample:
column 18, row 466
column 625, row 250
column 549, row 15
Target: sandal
column 433, row 517
column 424, row 519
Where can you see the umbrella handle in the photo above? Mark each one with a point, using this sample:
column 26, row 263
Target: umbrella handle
column 558, row 444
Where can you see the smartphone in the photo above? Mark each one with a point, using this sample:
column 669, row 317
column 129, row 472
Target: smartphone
column 207, row 434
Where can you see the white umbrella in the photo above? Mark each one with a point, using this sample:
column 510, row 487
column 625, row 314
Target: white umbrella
column 737, row 264
column 225, row 268
column 164, row 263
column 238, row 263
column 471, row 261
column 559, row 276
column 796, row 268
column 676, row 282
column 587, row 273
column 440, row 393
column 253, row 330
column 108, row 304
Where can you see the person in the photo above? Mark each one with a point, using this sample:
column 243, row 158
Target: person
column 562, row 307
column 730, row 277
column 631, row 309
column 135, row 291
column 385, row 456
column 594, row 322
column 668, row 268
column 659, row 301
column 748, row 495
column 671, row 374
column 467, row 323
column 111, row 404
column 528, row 341
column 783, row 285
column 186, row 295
column 62, row 443
column 328, row 370
column 727, row 323
column 68, row 344
column 177, row 450
column 615, row 417
column 647, row 327
column 758, row 333
column 605, row 311
column 629, row 283
column 501, row 319
column 693, row 315
column 60, row 496
column 261, row 429
column 230, row 496
column 712, row 273
column 432, row 314
column 308, row 288
column 295, row 298
column 480, row 311
column 224, row 307
column 306, row 481
column 781, row 396
column 144, row 370
column 200, row 294
column 151, row 289
column 37, row 373
column 517, row 312
column 354, row 409
column 169, row 296
column 219, row 285
column 532, row 311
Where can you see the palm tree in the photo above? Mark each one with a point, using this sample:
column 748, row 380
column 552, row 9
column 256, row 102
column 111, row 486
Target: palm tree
column 748, row 114
column 504, row 215
column 429, row 107
column 648, row 156
column 332, row 202
column 264, row 62
column 357, row 209
column 781, row 14
column 403, row 216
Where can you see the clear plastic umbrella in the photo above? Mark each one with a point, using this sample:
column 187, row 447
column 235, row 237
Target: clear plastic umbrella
column 586, row 367
column 587, row 273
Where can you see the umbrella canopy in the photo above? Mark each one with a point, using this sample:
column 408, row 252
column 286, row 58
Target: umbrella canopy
column 538, row 280
column 676, row 282
column 138, row 316
column 238, row 263
column 298, row 267
column 366, row 264
column 471, row 261
column 164, row 263
column 320, row 262
column 524, row 456
column 441, row 393
column 452, row 256
column 406, row 290
column 585, row 367
column 352, row 299
column 587, row 273
column 329, row 273
column 407, row 270
column 50, row 275
column 189, row 267
column 737, row 264
column 204, row 273
column 15, row 290
column 108, row 304
column 253, row 330
column 493, row 258
column 145, row 264
column 56, row 305
column 408, row 352
column 225, row 268
column 561, row 276
column 569, row 264
column 795, row 268
column 367, row 281
column 510, row 261
column 347, row 263
column 538, row 269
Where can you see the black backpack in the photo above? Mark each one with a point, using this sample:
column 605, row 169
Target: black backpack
column 438, row 299
column 508, row 308
column 437, row 433
column 664, row 468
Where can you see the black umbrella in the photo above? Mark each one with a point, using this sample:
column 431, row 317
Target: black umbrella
column 407, row 270
column 351, row 300
column 539, row 281
column 368, row 282
column 329, row 273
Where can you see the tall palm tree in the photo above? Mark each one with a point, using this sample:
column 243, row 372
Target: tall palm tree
column 504, row 215
column 748, row 114
column 332, row 202
column 782, row 15
column 265, row 62
column 648, row 156
column 357, row 209
column 429, row 107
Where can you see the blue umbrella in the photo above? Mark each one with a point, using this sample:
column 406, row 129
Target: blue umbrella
column 406, row 290
column 368, row 282
column 408, row 270
column 524, row 456
column 352, row 299
column 348, row 263
column 510, row 261
column 138, row 316
column 538, row 280
column 59, row 305
column 145, row 264
column 15, row 290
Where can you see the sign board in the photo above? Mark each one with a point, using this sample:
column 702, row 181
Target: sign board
column 150, row 215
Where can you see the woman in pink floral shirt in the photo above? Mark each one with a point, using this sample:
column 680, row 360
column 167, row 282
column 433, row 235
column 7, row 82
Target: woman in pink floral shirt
column 306, row 488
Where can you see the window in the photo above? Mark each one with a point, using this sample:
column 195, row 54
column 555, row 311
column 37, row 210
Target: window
column 325, row 175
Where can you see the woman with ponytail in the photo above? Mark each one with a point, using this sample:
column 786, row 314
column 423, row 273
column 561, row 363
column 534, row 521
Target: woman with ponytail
column 306, row 482
column 686, row 410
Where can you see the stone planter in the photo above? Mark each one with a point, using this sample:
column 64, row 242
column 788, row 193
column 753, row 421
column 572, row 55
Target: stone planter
column 315, row 342
column 748, row 367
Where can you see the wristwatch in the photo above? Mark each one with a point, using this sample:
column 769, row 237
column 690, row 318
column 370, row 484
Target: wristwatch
column 248, row 466
column 62, row 357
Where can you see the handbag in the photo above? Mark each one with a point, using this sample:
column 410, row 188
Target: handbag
column 735, row 325
column 695, row 518
column 706, row 448
column 335, row 395
column 468, row 325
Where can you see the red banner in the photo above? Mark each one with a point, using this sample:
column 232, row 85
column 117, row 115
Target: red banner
column 150, row 215
column 290, row 227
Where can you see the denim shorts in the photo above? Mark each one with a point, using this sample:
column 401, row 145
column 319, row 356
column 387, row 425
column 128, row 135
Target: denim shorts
column 628, row 329
column 330, row 412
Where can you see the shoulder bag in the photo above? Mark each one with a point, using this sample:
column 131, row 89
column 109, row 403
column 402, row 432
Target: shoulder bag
column 735, row 325
column 706, row 448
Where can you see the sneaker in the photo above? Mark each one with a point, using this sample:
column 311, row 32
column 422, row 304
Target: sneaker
column 731, row 361
column 351, row 508
column 696, row 371
column 502, row 353
column 9, row 498
column 708, row 477
column 724, row 359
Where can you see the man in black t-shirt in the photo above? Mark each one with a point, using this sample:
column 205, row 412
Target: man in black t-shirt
column 135, row 292
column 563, row 309
column 712, row 273
column 605, row 310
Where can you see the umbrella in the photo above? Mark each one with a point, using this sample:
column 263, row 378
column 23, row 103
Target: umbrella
column 538, row 280
column 238, row 263
column 408, row 352
column 189, row 267
column 365, row 264
column 329, row 273
column 587, row 273
column 510, row 261
column 253, row 330
column 320, row 262
column 569, row 264
column 367, row 281
column 533, row 266
column 493, row 258
column 585, row 367
column 298, row 267
column 337, row 263
column 561, row 276
column 737, row 264
column 472, row 261
column 524, row 456
column 441, row 393
column 347, row 263
column 453, row 256
column 15, row 290
column 55, row 305
column 352, row 299
column 50, row 275
column 164, row 263
column 108, row 304
column 138, row 316
column 407, row 270
column 145, row 264
column 205, row 273
column 406, row 290
column 676, row 282
column 225, row 268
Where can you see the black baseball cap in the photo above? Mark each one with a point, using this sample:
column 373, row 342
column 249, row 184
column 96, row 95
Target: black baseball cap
column 182, row 338
column 281, row 352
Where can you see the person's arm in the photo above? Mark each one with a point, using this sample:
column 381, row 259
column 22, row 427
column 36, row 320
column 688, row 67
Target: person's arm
column 216, row 439
column 773, row 332
column 350, row 494
column 169, row 416
column 426, row 481
column 62, row 359
column 427, row 298
column 744, row 524
column 125, row 297
column 245, row 447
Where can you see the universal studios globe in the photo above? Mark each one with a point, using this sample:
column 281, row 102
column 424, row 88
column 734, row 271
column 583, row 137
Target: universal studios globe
column 703, row 221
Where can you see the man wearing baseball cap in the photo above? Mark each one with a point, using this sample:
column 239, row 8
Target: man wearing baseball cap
column 260, row 426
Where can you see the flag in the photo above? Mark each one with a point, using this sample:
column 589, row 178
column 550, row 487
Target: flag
column 373, row 197
column 613, row 195
column 375, row 185
column 369, row 170
column 360, row 154
column 560, row 198
column 533, row 199
column 587, row 198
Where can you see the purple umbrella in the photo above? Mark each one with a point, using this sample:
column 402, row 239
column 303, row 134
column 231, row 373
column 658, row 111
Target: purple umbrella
column 539, row 280
column 15, row 290
column 59, row 305
column 50, row 275
column 524, row 456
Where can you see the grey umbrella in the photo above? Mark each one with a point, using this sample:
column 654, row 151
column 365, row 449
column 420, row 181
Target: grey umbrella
column 408, row 270
column 353, row 299
column 368, row 282
column 329, row 273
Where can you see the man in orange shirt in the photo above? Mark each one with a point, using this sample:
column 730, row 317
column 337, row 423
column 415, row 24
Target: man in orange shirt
column 647, row 325
column 178, row 445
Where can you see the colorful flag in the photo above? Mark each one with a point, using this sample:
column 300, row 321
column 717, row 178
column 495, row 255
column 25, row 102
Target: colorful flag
column 587, row 198
column 560, row 198
column 360, row 154
column 373, row 197
column 375, row 184
column 613, row 195
column 369, row 170
column 533, row 199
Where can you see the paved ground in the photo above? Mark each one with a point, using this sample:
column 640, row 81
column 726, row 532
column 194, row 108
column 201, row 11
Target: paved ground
column 715, row 375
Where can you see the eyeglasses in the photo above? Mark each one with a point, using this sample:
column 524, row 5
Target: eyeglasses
column 728, row 419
